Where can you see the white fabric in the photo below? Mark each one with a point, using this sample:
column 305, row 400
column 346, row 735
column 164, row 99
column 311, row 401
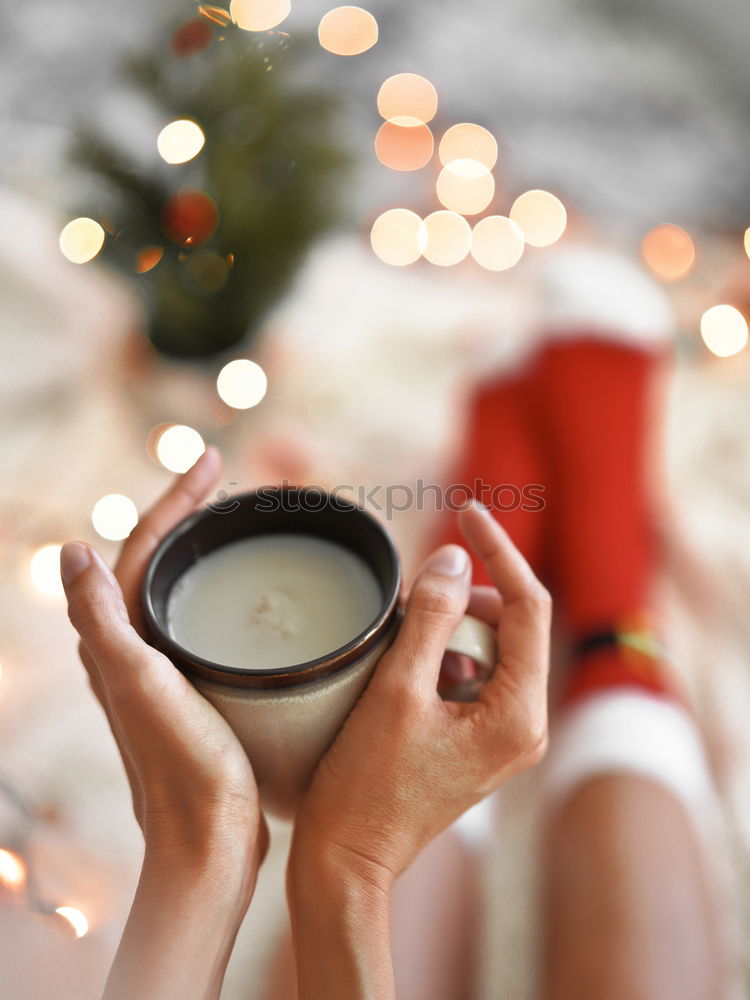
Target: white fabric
column 626, row 731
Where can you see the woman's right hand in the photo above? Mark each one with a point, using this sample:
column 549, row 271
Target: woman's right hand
column 406, row 764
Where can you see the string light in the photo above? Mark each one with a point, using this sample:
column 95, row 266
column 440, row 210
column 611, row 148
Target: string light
column 81, row 240
column 404, row 147
column 242, row 384
column 407, row 99
column 468, row 142
column 447, row 238
column 12, row 870
column 73, row 916
column 724, row 330
column 465, row 186
column 179, row 447
column 259, row 15
column 497, row 243
column 397, row 237
column 180, row 141
column 44, row 570
column 114, row 516
column 540, row 216
column 216, row 14
column 347, row 31
column 668, row 251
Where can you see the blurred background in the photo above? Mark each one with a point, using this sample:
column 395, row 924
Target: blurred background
column 306, row 236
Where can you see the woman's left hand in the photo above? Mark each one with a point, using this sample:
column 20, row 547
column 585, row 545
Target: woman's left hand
column 194, row 793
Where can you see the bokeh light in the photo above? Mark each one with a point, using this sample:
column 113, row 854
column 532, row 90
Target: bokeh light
column 497, row 243
column 397, row 237
column 407, row 99
column 540, row 216
column 668, row 251
column 218, row 15
column 747, row 241
column 208, row 271
column 348, row 31
column 189, row 218
column 81, row 240
column 242, row 384
column 179, row 447
column 148, row 258
column 114, row 516
column 44, row 570
column 724, row 330
column 180, row 141
column 12, row 870
column 259, row 15
column 447, row 238
column 404, row 147
column 192, row 37
column 468, row 142
column 75, row 919
column 465, row 186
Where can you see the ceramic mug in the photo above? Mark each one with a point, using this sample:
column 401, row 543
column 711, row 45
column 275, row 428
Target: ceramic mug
column 286, row 718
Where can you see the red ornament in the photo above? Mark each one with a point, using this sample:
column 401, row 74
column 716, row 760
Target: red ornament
column 192, row 37
column 190, row 218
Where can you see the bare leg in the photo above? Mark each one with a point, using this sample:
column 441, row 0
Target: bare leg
column 434, row 922
column 628, row 906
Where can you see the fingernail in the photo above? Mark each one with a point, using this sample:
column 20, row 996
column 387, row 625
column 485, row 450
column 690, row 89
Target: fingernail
column 451, row 560
column 74, row 559
column 482, row 508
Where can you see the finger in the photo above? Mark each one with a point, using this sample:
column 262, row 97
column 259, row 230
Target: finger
column 435, row 606
column 486, row 604
column 180, row 500
column 124, row 663
column 507, row 568
column 524, row 625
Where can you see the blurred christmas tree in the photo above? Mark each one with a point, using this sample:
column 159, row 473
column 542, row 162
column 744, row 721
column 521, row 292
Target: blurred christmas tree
column 213, row 242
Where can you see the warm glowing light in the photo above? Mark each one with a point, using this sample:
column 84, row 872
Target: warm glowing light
column 348, row 31
column 44, row 569
column 724, row 330
column 540, row 216
column 468, row 142
column 242, row 384
column 447, row 238
column 81, row 240
column 407, row 99
column 404, row 147
column 497, row 243
column 179, row 447
column 668, row 251
column 180, row 141
column 216, row 14
column 75, row 918
column 148, row 258
column 12, row 870
column 259, row 15
column 397, row 237
column 747, row 241
column 465, row 186
column 114, row 516
column 189, row 218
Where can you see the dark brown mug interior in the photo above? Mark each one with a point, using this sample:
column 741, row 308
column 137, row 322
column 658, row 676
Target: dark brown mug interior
column 271, row 510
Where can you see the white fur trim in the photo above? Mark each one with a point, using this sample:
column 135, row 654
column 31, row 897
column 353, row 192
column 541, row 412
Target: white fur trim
column 584, row 290
column 626, row 731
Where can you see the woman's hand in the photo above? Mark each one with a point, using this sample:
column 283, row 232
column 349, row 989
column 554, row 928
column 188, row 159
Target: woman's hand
column 406, row 763
column 194, row 792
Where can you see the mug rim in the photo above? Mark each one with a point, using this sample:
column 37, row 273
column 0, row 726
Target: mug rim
column 294, row 674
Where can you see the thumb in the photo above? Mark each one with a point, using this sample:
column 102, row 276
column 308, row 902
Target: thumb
column 436, row 605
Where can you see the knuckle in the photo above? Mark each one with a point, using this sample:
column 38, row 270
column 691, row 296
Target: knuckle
column 434, row 600
column 540, row 598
